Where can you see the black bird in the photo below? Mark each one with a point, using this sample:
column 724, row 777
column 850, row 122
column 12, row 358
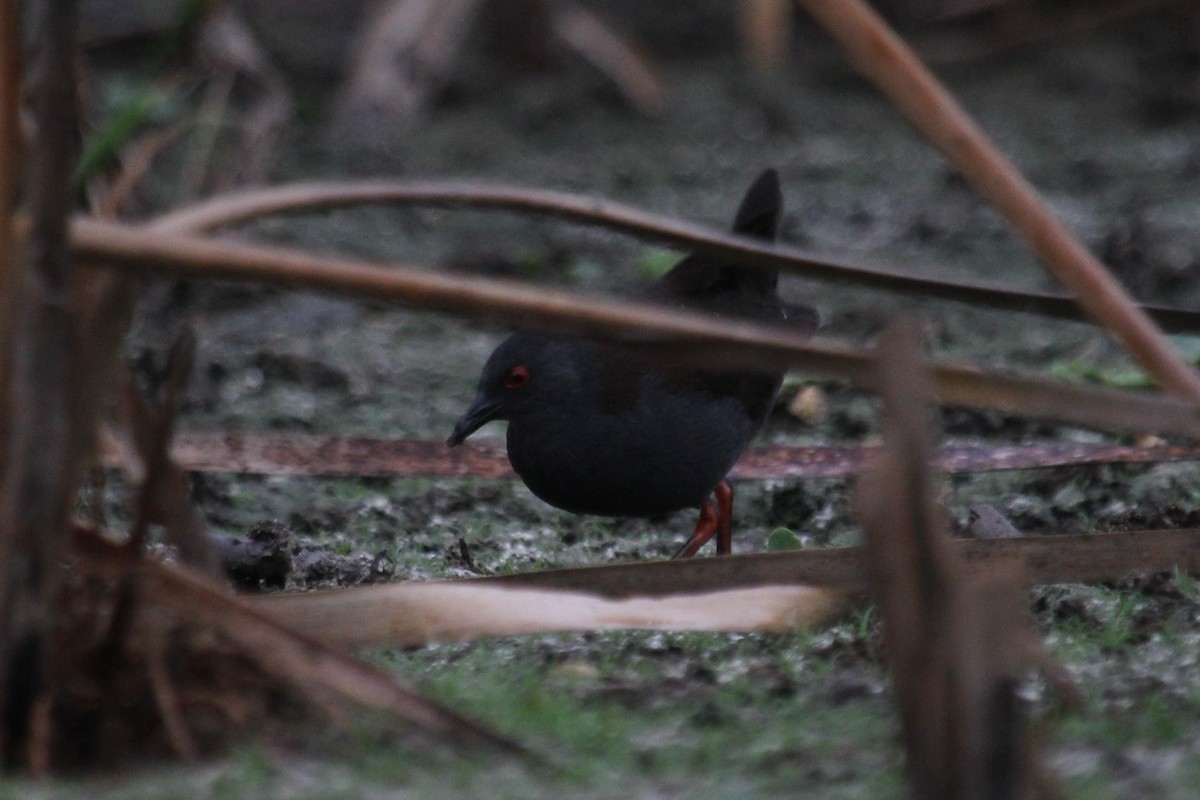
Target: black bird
column 603, row 428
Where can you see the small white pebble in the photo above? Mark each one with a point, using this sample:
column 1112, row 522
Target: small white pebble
column 809, row 404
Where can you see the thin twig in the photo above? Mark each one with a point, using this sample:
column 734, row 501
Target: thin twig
column 242, row 207
column 172, row 506
column 689, row 335
column 615, row 55
column 136, row 161
column 156, row 460
column 166, row 700
column 883, row 57
column 157, row 457
column 210, row 122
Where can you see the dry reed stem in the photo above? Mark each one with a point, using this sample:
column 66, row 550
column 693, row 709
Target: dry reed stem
column 11, row 161
column 958, row 647
column 130, row 449
column 914, row 582
column 765, row 28
column 152, row 495
column 262, row 453
column 617, row 56
column 884, row 58
column 1052, row 558
column 418, row 613
column 689, row 335
column 136, row 161
column 246, row 206
column 167, row 701
column 43, row 460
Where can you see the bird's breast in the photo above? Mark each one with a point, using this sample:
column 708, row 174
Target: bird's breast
column 666, row 453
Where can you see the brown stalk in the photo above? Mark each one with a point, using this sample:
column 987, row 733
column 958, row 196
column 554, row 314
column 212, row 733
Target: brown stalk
column 104, row 305
column 135, row 162
column 11, row 144
column 615, row 55
column 152, row 495
column 766, row 32
column 1052, row 558
column 167, row 701
column 690, row 335
column 172, row 506
column 242, row 207
column 134, row 445
column 156, row 449
column 43, row 463
column 884, row 58
column 320, row 454
column 956, row 646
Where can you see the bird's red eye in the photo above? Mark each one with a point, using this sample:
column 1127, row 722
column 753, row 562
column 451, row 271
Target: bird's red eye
column 516, row 377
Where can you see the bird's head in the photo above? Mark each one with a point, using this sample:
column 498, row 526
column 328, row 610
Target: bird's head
column 526, row 373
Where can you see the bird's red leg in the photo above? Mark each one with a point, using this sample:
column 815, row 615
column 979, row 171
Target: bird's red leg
column 714, row 521
column 706, row 528
column 724, row 518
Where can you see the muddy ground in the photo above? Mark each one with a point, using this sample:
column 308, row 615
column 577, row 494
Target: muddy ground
column 1107, row 125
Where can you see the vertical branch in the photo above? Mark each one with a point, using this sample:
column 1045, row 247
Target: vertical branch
column 958, row 647
column 766, row 32
column 10, row 178
column 39, row 473
column 153, row 492
column 881, row 55
column 911, row 572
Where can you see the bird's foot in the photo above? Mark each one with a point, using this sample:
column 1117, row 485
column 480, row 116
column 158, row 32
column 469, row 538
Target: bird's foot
column 724, row 494
column 714, row 521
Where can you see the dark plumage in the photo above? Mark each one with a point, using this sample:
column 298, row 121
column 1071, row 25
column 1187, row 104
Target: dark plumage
column 602, row 428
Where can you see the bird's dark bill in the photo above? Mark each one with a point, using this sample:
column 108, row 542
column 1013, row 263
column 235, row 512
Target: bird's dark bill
column 481, row 412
